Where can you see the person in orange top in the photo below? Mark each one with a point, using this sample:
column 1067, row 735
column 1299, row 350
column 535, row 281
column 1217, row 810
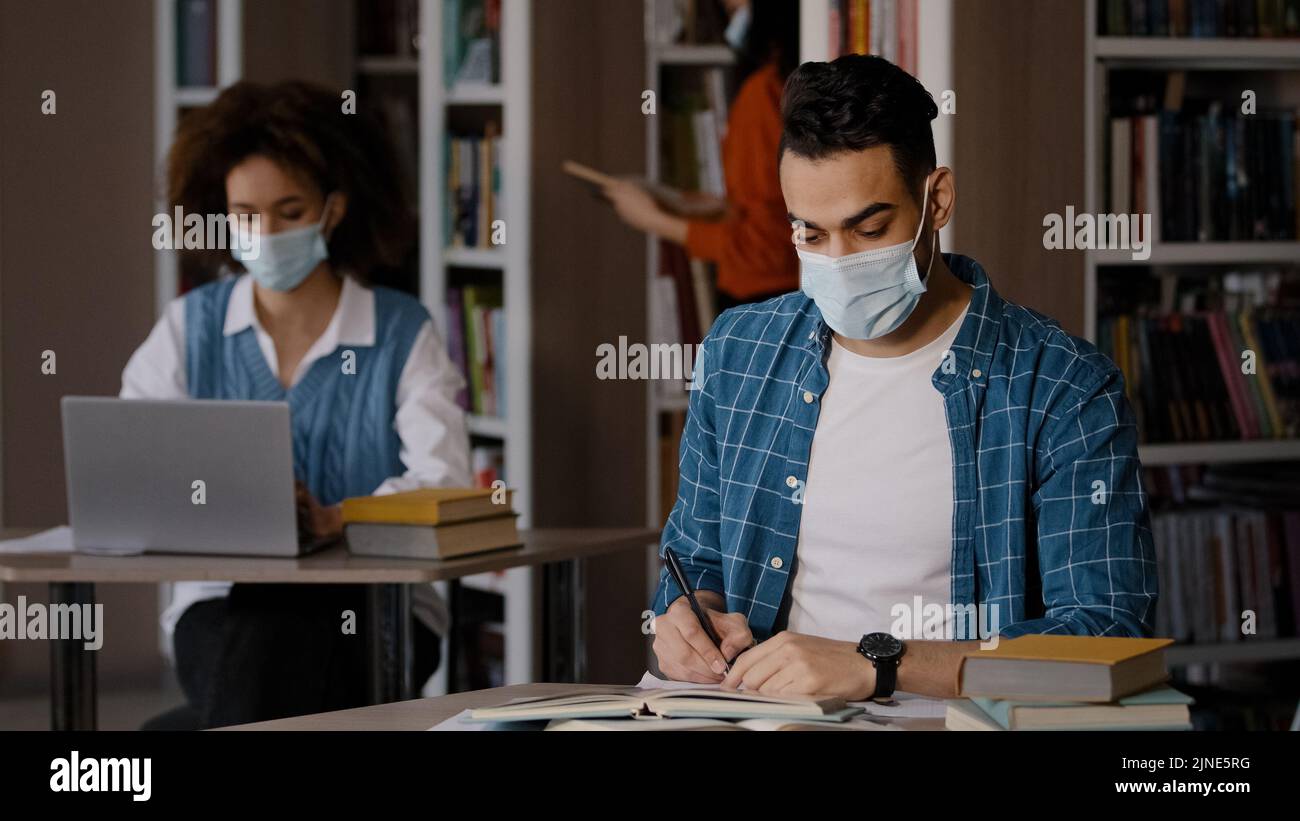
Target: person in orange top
column 751, row 244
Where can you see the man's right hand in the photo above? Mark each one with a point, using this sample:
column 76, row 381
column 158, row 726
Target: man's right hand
column 684, row 650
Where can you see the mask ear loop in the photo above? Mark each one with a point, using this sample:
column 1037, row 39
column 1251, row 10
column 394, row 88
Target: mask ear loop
column 934, row 239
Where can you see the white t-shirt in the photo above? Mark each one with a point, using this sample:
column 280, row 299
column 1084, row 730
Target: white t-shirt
column 876, row 527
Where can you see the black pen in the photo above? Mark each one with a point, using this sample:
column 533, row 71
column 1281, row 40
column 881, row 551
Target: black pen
column 679, row 576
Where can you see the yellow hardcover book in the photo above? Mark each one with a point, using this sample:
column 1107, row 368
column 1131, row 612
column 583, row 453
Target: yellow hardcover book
column 427, row 506
column 1063, row 668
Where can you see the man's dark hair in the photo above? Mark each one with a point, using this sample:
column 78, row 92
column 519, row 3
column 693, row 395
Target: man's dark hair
column 857, row 102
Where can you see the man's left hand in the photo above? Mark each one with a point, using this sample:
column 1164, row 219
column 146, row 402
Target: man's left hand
column 796, row 664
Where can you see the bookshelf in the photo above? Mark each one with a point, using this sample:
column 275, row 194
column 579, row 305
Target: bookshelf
column 172, row 97
column 1107, row 58
column 446, row 106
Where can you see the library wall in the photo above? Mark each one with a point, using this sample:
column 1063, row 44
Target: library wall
column 86, row 295
column 588, row 274
column 1018, row 146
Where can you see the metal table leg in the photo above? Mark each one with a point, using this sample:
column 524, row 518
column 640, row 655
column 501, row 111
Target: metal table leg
column 565, row 631
column 388, row 632
column 453, row 636
column 73, row 697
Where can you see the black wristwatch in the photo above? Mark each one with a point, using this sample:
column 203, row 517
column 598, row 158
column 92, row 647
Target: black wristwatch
column 884, row 652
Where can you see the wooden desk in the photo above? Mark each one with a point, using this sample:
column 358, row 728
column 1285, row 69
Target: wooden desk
column 72, row 577
column 423, row 713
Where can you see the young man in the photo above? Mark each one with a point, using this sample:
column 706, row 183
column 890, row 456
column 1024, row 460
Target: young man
column 894, row 436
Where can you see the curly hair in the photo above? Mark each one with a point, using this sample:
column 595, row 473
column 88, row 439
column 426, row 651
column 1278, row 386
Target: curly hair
column 302, row 128
column 857, row 102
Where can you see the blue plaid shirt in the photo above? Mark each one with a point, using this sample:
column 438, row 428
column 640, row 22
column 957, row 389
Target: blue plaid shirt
column 1050, row 521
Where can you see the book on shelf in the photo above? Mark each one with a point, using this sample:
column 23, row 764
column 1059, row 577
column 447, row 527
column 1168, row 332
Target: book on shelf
column 488, row 462
column 1204, row 364
column 473, row 175
column 1198, row 18
column 1159, row 708
column 196, row 43
column 688, row 22
column 887, row 28
column 476, row 339
column 1063, row 668
column 1215, row 563
column 1205, row 172
column 471, row 33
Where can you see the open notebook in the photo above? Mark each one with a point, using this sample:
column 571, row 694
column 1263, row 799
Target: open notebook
column 676, row 703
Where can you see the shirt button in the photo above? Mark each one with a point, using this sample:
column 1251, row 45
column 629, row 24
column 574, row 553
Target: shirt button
column 977, row 373
column 777, row 563
column 808, row 397
column 791, row 481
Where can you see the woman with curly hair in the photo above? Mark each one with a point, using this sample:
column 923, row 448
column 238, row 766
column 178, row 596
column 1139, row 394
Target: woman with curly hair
column 370, row 389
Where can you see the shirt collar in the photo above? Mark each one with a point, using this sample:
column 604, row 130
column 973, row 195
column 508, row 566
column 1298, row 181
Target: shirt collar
column 353, row 322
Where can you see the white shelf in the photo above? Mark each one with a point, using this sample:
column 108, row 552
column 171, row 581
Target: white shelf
column 663, row 405
column 1249, row 650
column 474, row 257
column 493, row 426
column 1195, row 453
column 388, row 64
column 169, row 100
column 1204, row 253
column 513, row 97
column 190, row 96
column 1200, row 52
column 693, row 55
column 475, row 94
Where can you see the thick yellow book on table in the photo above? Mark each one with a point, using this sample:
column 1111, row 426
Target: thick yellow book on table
column 426, row 506
column 1064, row 668
column 431, row 523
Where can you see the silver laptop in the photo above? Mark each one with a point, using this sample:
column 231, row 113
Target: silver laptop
column 183, row 476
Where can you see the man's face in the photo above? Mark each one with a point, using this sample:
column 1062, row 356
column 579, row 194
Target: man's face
column 849, row 202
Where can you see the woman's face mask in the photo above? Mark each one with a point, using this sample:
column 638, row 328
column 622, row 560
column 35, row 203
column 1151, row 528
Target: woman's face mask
column 284, row 259
column 868, row 294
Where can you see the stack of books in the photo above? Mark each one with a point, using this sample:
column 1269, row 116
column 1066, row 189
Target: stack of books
column 431, row 523
column 1068, row 683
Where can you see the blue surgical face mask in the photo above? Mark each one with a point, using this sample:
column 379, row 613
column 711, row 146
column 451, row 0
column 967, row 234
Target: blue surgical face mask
column 284, row 259
column 868, row 294
column 737, row 28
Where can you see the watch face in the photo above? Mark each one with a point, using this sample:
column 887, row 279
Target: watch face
column 881, row 645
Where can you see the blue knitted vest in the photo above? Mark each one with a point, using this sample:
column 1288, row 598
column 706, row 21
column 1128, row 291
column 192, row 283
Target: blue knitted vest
column 344, row 441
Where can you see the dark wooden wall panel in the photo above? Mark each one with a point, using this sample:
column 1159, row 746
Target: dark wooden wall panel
column 1018, row 142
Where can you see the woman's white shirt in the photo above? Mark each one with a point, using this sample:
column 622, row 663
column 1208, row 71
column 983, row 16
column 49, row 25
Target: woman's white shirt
column 429, row 423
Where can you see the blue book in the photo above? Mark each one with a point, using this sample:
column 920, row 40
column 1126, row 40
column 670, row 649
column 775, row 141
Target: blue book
column 1160, row 708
